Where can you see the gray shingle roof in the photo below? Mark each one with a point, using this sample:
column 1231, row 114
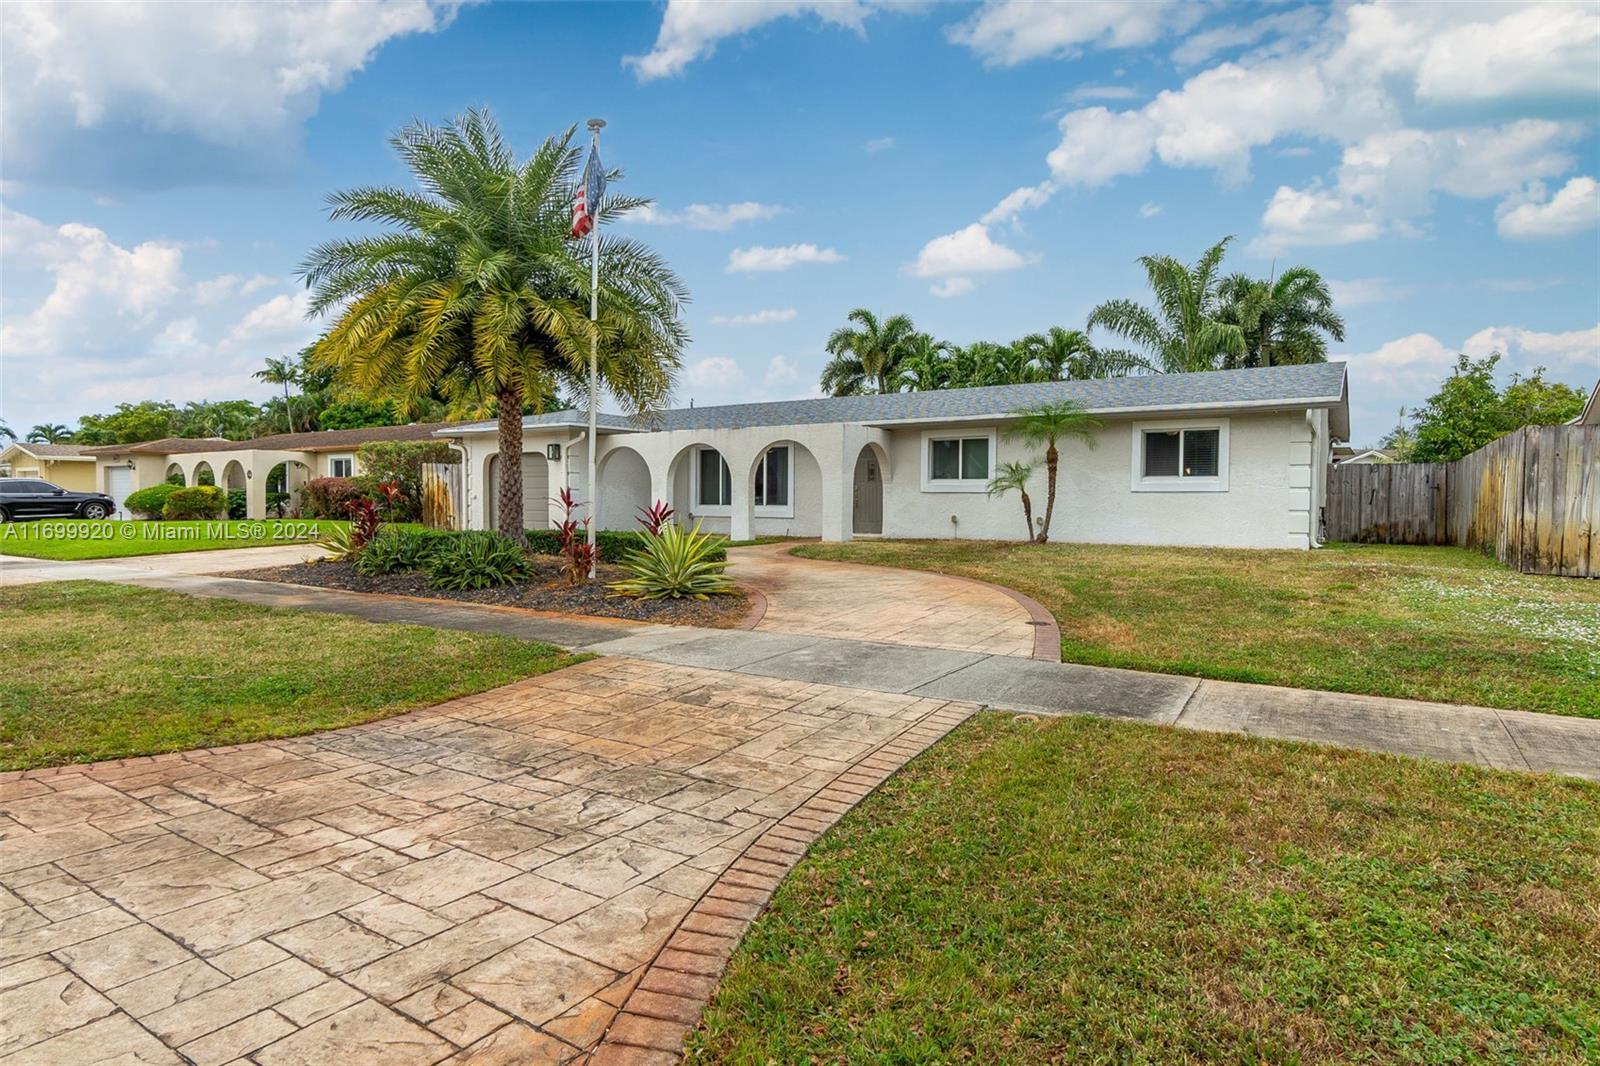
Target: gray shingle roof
column 1314, row 385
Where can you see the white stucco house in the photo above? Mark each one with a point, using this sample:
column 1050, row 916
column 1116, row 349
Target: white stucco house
column 1228, row 458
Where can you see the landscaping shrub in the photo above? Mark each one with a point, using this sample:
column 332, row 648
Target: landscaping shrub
column 399, row 463
column 238, row 503
column 675, row 564
column 613, row 545
column 176, row 479
column 477, row 559
column 277, row 503
column 578, row 555
column 363, row 523
column 148, row 503
column 198, row 502
column 398, row 551
column 329, row 497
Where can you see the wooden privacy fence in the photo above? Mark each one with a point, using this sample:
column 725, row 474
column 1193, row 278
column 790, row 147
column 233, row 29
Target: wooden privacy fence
column 442, row 495
column 1532, row 497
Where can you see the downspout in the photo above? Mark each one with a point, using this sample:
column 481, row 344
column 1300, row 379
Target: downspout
column 455, row 444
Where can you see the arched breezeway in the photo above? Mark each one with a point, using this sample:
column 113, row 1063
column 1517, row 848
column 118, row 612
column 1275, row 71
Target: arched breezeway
column 624, row 479
column 203, row 474
column 175, row 475
column 785, row 491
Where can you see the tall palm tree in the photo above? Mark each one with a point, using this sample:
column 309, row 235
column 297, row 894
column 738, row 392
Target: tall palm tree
column 925, row 365
column 1284, row 320
column 1011, row 476
column 49, row 433
column 1068, row 355
column 866, row 356
column 1183, row 333
column 478, row 287
column 1046, row 424
column 283, row 372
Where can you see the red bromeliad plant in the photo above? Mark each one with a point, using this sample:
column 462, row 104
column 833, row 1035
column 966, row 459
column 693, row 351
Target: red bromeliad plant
column 393, row 494
column 363, row 522
column 655, row 516
column 576, row 551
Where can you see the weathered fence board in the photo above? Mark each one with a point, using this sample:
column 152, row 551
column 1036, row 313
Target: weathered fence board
column 1532, row 497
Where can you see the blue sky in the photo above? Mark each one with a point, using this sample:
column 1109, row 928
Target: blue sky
column 989, row 169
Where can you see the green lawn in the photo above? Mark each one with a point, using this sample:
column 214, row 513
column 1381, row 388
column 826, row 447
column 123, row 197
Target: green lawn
column 1443, row 624
column 99, row 671
column 77, row 538
column 1085, row 890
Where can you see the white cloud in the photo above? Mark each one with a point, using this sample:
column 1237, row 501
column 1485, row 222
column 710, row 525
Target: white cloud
column 757, row 318
column 1014, row 203
column 716, row 217
column 760, row 259
column 1543, row 51
column 1358, row 292
column 1530, row 216
column 1008, row 32
column 226, row 285
column 1149, row 210
column 691, row 29
column 1571, row 355
column 878, row 144
column 282, row 318
column 109, row 93
column 969, row 250
column 1199, row 47
column 1102, row 92
column 781, row 372
column 951, row 287
column 1314, row 216
column 713, row 372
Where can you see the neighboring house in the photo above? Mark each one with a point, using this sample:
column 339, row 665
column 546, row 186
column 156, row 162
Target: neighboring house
column 65, row 465
column 240, row 464
column 1365, row 455
column 1590, row 415
column 1232, row 457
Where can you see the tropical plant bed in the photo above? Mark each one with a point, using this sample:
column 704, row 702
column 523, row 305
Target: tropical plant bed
column 547, row 590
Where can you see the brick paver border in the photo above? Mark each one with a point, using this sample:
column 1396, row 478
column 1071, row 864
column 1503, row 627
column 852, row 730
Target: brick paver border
column 665, row 1005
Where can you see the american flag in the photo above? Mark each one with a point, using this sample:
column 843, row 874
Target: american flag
column 591, row 188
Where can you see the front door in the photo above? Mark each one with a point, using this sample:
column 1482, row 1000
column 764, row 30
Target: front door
column 868, row 494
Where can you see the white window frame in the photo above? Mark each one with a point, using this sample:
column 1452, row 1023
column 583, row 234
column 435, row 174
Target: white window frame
column 695, row 506
column 1179, row 483
column 351, row 459
column 932, row 484
column 773, row 510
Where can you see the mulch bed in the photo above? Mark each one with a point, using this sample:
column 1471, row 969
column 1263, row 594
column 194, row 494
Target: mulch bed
column 547, row 591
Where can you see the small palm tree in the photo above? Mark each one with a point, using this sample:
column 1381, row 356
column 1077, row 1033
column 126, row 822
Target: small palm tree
column 1184, row 332
column 283, row 372
column 866, row 357
column 6, row 433
column 480, row 290
column 1015, row 476
column 1046, row 424
column 1284, row 320
column 1068, row 355
column 49, row 433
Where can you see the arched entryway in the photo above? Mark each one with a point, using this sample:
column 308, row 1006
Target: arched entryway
column 233, row 479
column 624, row 480
column 203, row 474
column 535, row 492
column 866, row 518
column 284, row 483
column 785, row 483
column 175, row 474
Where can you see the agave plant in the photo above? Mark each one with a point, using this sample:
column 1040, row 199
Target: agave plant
column 674, row 564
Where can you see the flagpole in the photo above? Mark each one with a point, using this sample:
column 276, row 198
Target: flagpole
column 595, row 125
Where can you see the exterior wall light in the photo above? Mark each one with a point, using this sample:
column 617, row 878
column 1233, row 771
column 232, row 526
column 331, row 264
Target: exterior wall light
column 552, row 452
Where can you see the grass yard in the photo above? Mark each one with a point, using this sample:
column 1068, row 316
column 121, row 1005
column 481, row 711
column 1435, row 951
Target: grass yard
column 100, row 671
column 1085, row 890
column 66, row 539
column 1445, row 624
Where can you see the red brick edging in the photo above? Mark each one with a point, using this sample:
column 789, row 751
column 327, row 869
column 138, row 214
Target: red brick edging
column 661, row 1011
column 758, row 607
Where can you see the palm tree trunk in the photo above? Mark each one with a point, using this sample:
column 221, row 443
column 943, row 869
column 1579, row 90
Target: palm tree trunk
column 288, row 412
column 508, row 499
column 1027, row 513
column 1051, row 457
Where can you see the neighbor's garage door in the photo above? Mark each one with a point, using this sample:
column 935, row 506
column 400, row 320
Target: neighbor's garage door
column 119, row 482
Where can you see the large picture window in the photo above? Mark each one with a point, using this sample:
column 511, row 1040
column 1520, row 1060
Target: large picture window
column 957, row 462
column 1180, row 457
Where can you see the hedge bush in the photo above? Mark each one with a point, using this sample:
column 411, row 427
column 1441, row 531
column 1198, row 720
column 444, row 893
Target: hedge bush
column 612, row 544
column 201, row 501
column 238, row 504
column 329, row 497
column 148, row 503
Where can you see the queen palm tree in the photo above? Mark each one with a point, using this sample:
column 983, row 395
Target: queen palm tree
column 49, row 433
column 283, row 372
column 1284, row 320
column 1068, row 355
column 478, row 288
column 867, row 356
column 1184, row 332
column 1011, row 476
column 1046, row 424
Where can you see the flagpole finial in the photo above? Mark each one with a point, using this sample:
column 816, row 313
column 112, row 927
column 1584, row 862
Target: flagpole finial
column 597, row 124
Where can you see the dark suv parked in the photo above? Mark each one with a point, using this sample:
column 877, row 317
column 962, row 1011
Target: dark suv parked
column 28, row 497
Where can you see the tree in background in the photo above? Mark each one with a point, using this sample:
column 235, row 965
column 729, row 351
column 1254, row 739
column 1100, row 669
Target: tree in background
column 1400, row 441
column 1184, row 332
column 49, row 433
column 1046, row 424
column 1068, row 355
column 1284, row 320
column 5, row 432
column 867, row 355
column 478, row 287
column 1014, row 476
column 129, row 424
column 227, row 419
column 1468, row 411
column 283, row 372
column 925, row 366
column 358, row 414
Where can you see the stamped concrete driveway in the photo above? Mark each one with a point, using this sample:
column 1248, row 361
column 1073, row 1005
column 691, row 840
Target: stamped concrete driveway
column 888, row 606
column 483, row 881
